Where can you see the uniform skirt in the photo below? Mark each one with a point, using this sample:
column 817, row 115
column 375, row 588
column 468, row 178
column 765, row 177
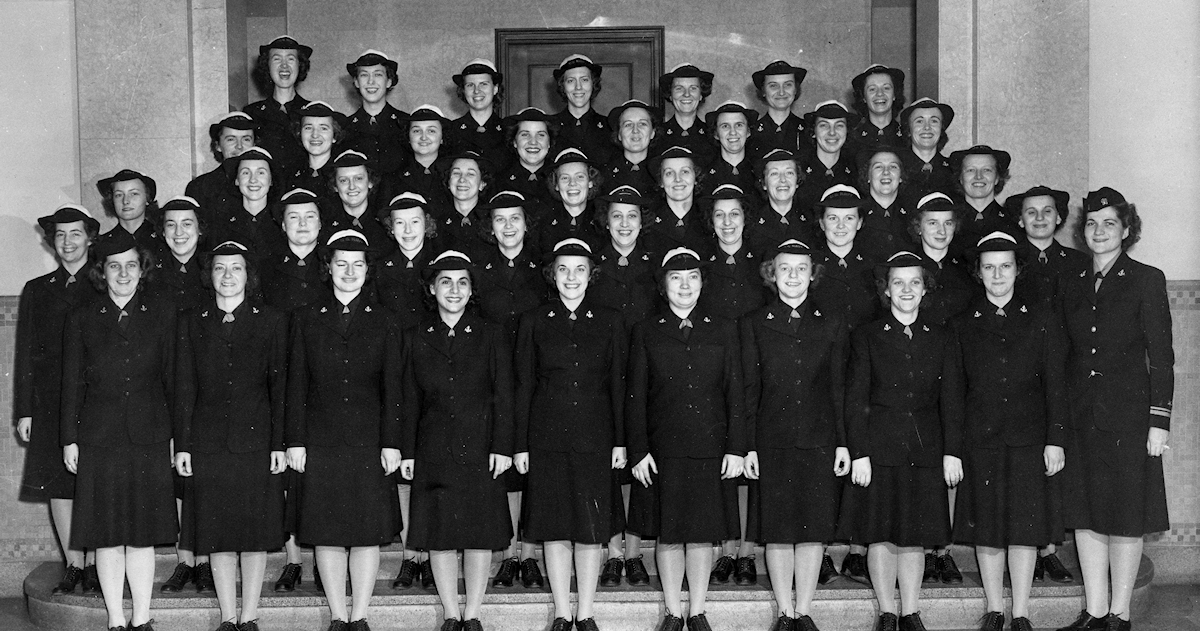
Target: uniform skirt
column 236, row 504
column 572, row 497
column 124, row 496
column 688, row 502
column 44, row 477
column 796, row 497
column 457, row 507
column 1111, row 486
column 1004, row 499
column 345, row 498
column 906, row 506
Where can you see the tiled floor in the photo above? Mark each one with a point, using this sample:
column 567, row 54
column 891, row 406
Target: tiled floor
column 1172, row 608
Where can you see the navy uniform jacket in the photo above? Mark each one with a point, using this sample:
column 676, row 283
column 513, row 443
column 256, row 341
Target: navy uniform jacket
column 383, row 138
column 887, row 229
column 926, row 177
column 45, row 304
column 867, row 136
column 955, row 289
column 733, row 286
column 721, row 172
column 570, row 379
column 289, row 282
column 904, row 404
column 663, row 231
column 850, row 290
column 766, row 135
column 213, row 190
column 1014, row 372
column 180, row 283
column 795, row 380
column 428, row 182
column 334, row 219
column 399, row 285
column 684, row 398
column 558, row 224
column 458, row 395
column 502, row 299
column 1044, row 280
column 772, row 228
column 621, row 172
column 696, row 139
column 589, row 133
column 275, row 123
column 343, row 385
column 316, row 181
column 531, row 185
column 229, row 393
column 1121, row 366
column 464, row 134
column 974, row 225
column 817, row 178
column 147, row 237
column 118, row 381
column 629, row 288
column 261, row 233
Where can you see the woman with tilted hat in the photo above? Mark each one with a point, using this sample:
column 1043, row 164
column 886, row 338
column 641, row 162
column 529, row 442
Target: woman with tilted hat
column 904, row 430
column 42, row 313
column 1014, row 359
column 282, row 64
column 570, row 385
column 233, row 348
column 343, row 429
column 377, row 129
column 481, row 87
column 685, row 430
column 794, row 358
column 579, row 125
column 458, row 437
column 1120, row 376
column 686, row 87
column 131, row 198
column 878, row 98
column 118, row 382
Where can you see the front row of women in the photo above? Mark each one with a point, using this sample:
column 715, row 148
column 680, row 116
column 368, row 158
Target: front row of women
column 687, row 399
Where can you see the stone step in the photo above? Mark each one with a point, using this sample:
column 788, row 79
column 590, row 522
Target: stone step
column 841, row 605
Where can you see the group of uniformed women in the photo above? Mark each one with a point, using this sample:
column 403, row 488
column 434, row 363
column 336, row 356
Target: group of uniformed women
column 576, row 330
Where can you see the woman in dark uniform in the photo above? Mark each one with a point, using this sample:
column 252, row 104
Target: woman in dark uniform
column 468, row 177
column 398, row 281
column 118, row 361
column 924, row 123
column 1041, row 211
column 570, row 379
column 778, row 86
column 232, row 350
column 250, row 220
column 510, row 283
column 1120, row 375
column 676, row 220
column 1014, row 357
column 228, row 138
column 794, row 358
column 784, row 215
column 734, row 285
column 458, row 438
column 685, row 430
column 686, row 87
column 343, row 428
column 980, row 174
column 831, row 161
column 320, row 131
column 904, row 429
column 481, row 87
column 355, row 181
column 575, row 181
column 282, row 64
column 377, row 129
column 37, row 377
column 935, row 225
column 878, row 97
column 424, row 173
column 635, row 126
column 729, row 126
column 579, row 125
column 885, row 210
column 131, row 198
column 530, row 135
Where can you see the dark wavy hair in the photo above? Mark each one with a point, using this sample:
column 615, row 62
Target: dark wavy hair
column 708, row 208
column 595, row 177
column 698, row 172
column 431, row 301
column 106, row 201
column 705, row 90
column 914, row 223
column 1002, row 176
column 460, row 92
column 864, row 172
column 262, row 71
column 339, row 132
column 252, row 281
column 326, row 255
column 600, row 215
column 656, row 131
column 373, row 177
column 201, row 224
column 485, row 227
column 596, row 85
column 392, row 76
column 510, row 134
column 977, row 259
column 927, row 276
column 214, row 145
column 760, row 175
column 860, row 98
column 92, row 234
column 1128, row 214
column 712, row 129
column 906, row 130
column 95, row 269
column 548, row 272
column 660, row 281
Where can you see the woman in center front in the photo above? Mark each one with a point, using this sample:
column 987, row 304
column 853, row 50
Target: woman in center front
column 685, row 432
column 570, row 378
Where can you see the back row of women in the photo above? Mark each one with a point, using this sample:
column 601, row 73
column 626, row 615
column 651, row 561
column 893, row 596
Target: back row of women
column 712, row 316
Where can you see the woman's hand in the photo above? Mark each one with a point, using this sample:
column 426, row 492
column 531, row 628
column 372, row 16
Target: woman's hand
column 952, row 469
column 71, row 457
column 296, row 457
column 750, row 465
column 841, row 461
column 406, row 468
column 1156, row 442
column 619, row 459
column 731, row 466
column 390, row 459
column 521, row 462
column 24, row 426
column 1055, row 458
column 183, row 463
column 643, row 469
column 278, row 462
column 860, row 471
column 498, row 464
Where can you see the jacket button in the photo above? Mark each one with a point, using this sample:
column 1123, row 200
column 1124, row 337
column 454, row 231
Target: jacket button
column 1093, row 329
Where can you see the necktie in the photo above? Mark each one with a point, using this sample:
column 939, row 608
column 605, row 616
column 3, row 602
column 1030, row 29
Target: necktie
column 70, row 279
column 123, row 320
column 623, row 262
column 1000, row 312
column 842, row 263
column 927, row 168
column 1042, row 258
column 1099, row 279
column 729, row 260
column 908, row 331
column 685, row 325
column 227, row 324
column 794, row 320
column 679, row 224
column 228, row 319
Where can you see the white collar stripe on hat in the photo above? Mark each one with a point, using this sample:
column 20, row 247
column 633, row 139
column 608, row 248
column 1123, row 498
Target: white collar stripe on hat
column 997, row 235
column 679, row 252
column 450, row 254
column 347, row 234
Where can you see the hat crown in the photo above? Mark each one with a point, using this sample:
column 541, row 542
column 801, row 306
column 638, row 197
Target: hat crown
column 348, row 235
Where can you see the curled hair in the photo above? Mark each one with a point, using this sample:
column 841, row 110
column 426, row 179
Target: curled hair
column 705, row 90
column 914, row 223
column 595, row 178
column 562, row 90
column 262, row 70
column 431, row 301
column 760, row 174
column 206, row 263
column 600, row 214
column 326, row 255
column 485, row 174
column 766, row 270
column 761, row 93
column 860, row 98
column 660, row 280
column 214, row 145
column 1002, row 176
column 906, row 129
column 656, row 130
column 511, row 131
column 708, row 209
column 106, row 201
column 460, row 92
column 392, row 76
column 92, row 234
column 339, row 132
column 977, row 260
column 864, row 173
column 928, row 277
column 95, row 270
column 161, row 221
column 1128, row 214
column 385, row 220
column 373, row 177
column 697, row 174
column 712, row 127
column 548, row 272
column 485, row 227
